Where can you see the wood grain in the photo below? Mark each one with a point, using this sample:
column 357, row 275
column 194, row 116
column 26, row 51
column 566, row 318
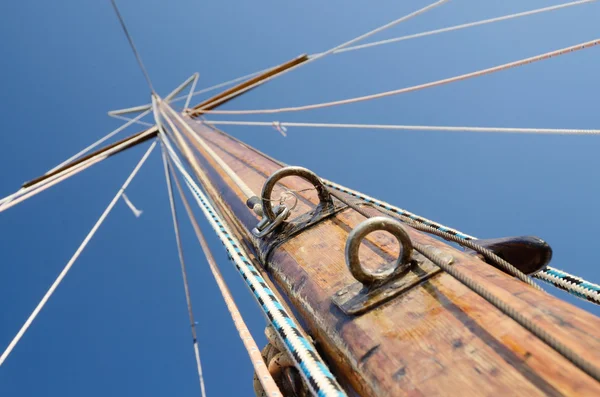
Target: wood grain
column 439, row 338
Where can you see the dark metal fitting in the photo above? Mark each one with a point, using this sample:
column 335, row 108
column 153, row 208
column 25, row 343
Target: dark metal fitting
column 301, row 172
column 529, row 254
column 254, row 203
column 380, row 276
column 266, row 226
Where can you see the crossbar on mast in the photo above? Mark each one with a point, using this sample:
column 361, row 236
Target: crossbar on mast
column 237, row 90
column 128, row 142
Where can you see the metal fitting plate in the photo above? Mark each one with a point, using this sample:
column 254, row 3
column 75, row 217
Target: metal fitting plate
column 356, row 299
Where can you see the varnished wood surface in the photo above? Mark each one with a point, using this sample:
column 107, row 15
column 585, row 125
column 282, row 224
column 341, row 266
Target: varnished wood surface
column 439, row 338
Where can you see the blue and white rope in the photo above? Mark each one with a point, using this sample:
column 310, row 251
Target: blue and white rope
column 572, row 284
column 320, row 380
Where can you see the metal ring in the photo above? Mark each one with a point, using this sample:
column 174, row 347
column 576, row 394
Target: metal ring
column 356, row 236
column 281, row 217
column 301, row 172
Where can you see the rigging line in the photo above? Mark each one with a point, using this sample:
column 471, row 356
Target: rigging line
column 216, row 86
column 135, row 52
column 224, row 84
column 24, row 193
column 137, row 213
column 408, row 37
column 488, row 254
column 190, row 80
column 186, row 286
column 136, row 120
column 504, row 307
column 312, row 368
column 191, row 93
column 462, row 26
column 436, row 83
column 572, row 284
column 103, row 139
column 226, row 168
column 408, row 127
column 68, row 266
column 134, row 109
column 332, row 50
column 579, row 361
column 262, row 372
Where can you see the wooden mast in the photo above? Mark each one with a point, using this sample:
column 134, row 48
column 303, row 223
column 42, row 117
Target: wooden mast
column 436, row 338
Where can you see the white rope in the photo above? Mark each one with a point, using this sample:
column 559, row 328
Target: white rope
column 416, row 87
column 134, row 109
column 186, row 287
column 224, row 84
column 135, row 211
column 338, row 47
column 412, row 36
column 408, row 127
column 191, row 93
column 68, row 266
column 260, row 368
column 313, row 370
column 192, row 79
column 103, row 139
column 133, row 120
column 462, row 26
column 224, row 166
column 312, row 57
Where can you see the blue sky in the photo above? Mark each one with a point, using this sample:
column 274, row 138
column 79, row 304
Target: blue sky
column 118, row 324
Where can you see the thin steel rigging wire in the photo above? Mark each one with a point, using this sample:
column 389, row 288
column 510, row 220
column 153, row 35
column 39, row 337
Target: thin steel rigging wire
column 463, row 26
column 135, row 52
column 186, row 286
column 191, row 133
column 262, row 372
column 407, row 127
column 332, row 50
column 436, row 83
column 69, row 264
column 402, row 38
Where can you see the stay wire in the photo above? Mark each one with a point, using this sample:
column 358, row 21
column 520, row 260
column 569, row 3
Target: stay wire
column 78, row 252
column 186, row 287
column 484, row 292
column 332, row 50
column 135, row 52
column 463, row 26
column 431, row 84
column 252, row 349
column 446, row 236
column 570, row 131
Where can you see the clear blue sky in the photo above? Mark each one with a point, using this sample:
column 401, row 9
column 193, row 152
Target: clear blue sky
column 118, row 325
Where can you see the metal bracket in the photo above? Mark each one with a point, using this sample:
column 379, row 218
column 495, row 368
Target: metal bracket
column 357, row 299
column 265, row 226
column 289, row 229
